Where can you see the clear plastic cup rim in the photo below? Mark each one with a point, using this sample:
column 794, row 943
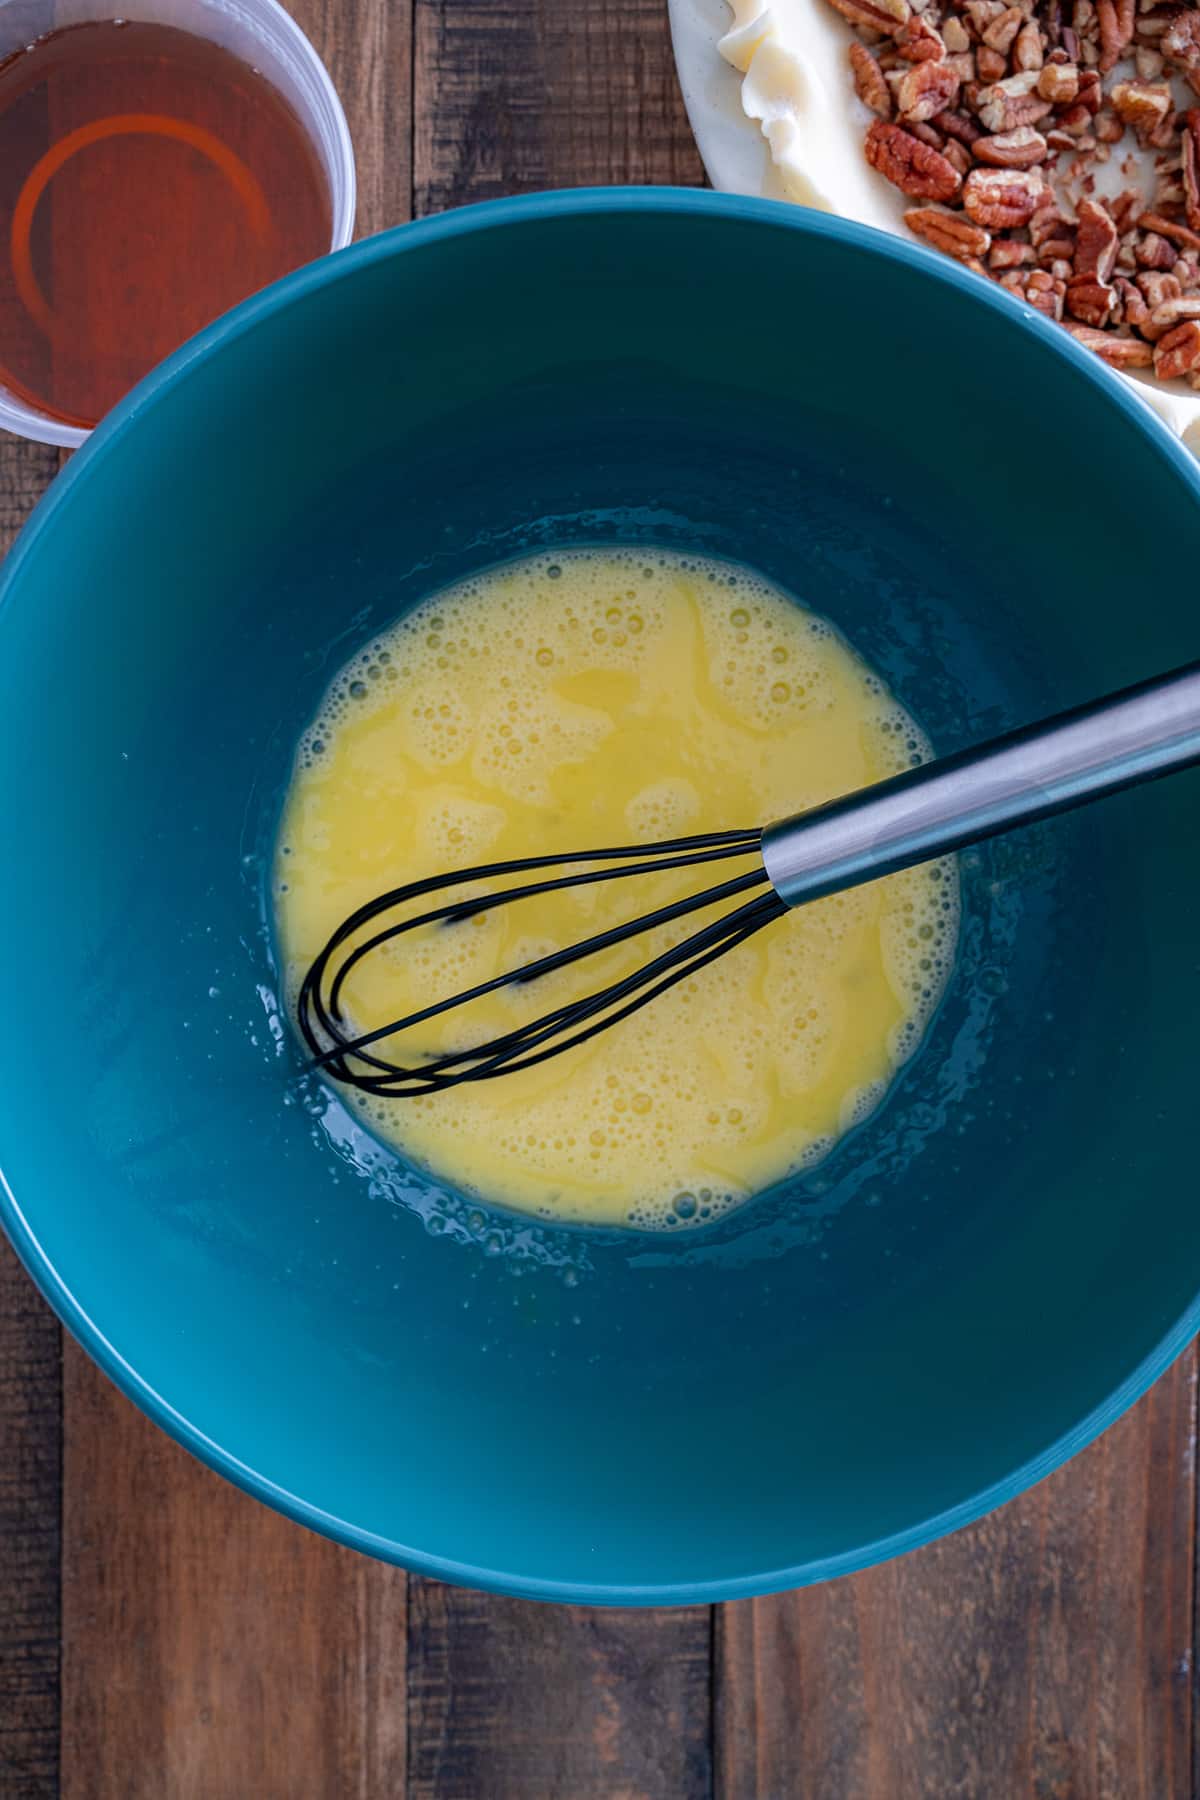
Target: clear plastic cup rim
column 322, row 115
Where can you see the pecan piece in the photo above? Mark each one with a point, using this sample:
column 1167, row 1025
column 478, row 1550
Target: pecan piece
column 928, row 88
column 1141, row 104
column 1059, row 83
column 1119, row 352
column 1001, row 32
column 1116, row 19
column 1133, row 302
column 949, row 232
column 1091, row 302
column 1180, row 42
column 1170, row 228
column 990, row 64
column 919, row 42
column 1158, row 287
column 1170, row 313
column 1028, row 51
column 910, row 165
column 1045, row 293
column 869, row 83
column 1002, row 199
column 1019, row 149
column 1096, row 242
column 957, row 125
column 982, row 12
column 1154, row 252
column 875, row 15
column 1091, row 93
column 1178, row 353
column 1007, row 104
column 955, row 35
column 1047, row 223
column 1009, row 253
column 1191, row 167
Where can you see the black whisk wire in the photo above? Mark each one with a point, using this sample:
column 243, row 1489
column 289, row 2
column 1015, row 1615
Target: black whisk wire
column 355, row 1061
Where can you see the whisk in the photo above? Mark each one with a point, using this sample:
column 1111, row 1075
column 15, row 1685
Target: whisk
column 930, row 811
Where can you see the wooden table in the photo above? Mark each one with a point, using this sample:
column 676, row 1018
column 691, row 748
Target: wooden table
column 162, row 1637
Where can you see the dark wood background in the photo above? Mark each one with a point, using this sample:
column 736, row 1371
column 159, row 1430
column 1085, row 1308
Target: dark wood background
column 162, row 1637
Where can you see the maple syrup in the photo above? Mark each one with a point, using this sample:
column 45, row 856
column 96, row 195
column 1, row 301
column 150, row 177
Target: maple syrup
column 149, row 180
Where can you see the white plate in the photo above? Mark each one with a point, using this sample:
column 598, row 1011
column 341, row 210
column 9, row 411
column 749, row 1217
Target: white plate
column 734, row 146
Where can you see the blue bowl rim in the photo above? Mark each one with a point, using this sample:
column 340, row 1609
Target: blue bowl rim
column 489, row 216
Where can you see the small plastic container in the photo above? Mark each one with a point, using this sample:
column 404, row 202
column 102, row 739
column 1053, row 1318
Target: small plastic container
column 258, row 32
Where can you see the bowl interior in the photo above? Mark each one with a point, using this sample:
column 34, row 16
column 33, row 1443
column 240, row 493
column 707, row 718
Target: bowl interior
column 833, row 1370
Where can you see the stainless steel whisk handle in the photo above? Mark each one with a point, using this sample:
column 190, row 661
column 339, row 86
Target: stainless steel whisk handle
column 1142, row 732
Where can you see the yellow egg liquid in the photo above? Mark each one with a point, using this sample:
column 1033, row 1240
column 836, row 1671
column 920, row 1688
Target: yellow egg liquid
column 591, row 698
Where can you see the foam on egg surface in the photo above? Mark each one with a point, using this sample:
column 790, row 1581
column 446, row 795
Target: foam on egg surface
column 597, row 697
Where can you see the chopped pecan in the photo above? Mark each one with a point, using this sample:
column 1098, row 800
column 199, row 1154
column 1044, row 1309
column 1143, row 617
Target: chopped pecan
column 990, row 63
column 982, row 12
column 957, row 125
column 1091, row 302
column 1116, row 20
column 927, row 88
column 948, row 232
column 1045, row 292
column 1178, row 353
column 1154, row 252
column 869, row 83
column 1059, row 83
column 1169, row 313
column 1028, row 52
column 1120, row 352
column 1091, row 93
column 1001, row 33
column 1191, row 167
column 1010, row 253
column 1180, row 42
column 1123, row 208
column 1170, row 228
column 994, row 118
column 1142, row 104
column 1133, row 302
column 1096, row 242
column 1019, row 149
column 878, row 15
column 1007, row 104
column 1072, row 126
column 918, row 171
column 919, row 42
column 1047, row 221
column 1002, row 198
column 1158, row 287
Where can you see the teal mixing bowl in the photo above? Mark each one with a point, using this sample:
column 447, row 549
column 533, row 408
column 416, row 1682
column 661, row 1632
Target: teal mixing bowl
column 979, row 1278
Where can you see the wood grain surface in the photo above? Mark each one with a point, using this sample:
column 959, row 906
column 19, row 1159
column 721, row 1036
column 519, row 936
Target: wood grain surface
column 30, row 1409
column 1044, row 1652
column 212, row 1651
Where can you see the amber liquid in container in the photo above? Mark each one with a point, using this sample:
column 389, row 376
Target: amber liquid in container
column 149, row 180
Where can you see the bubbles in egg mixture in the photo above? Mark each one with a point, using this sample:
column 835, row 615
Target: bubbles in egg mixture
column 591, row 698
